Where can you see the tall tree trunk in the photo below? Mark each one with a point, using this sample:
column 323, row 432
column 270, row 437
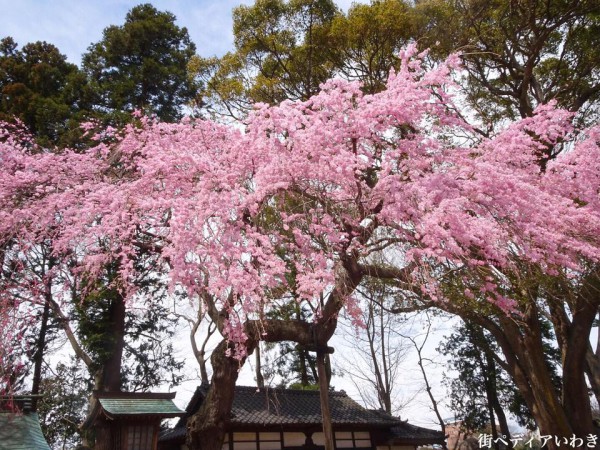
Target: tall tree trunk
column 502, row 422
column 41, row 344
column 111, row 369
column 524, row 354
column 206, row 428
column 41, row 341
column 303, row 368
column 575, row 391
column 493, row 428
column 592, row 369
column 490, row 370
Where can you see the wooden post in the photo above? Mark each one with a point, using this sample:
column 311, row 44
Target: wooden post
column 324, row 397
column 322, row 352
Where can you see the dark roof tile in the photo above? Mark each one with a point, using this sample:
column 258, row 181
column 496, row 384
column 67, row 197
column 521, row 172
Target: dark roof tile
column 266, row 407
column 272, row 406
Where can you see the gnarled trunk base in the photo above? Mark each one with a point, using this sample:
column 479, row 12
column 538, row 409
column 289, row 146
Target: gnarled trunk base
column 206, row 428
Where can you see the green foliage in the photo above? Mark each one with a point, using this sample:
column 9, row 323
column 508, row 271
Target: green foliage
column 64, row 404
column 283, row 50
column 148, row 358
column 369, row 39
column 300, row 386
column 141, row 65
column 519, row 54
column 95, row 325
column 41, row 89
column 471, row 353
column 293, row 366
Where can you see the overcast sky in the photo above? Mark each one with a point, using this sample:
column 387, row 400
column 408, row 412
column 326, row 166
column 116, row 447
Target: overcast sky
column 72, row 25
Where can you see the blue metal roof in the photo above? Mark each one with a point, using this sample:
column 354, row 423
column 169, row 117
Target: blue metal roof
column 137, row 406
column 21, row 432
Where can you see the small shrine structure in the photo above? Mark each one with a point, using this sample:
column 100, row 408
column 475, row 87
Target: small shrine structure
column 129, row 420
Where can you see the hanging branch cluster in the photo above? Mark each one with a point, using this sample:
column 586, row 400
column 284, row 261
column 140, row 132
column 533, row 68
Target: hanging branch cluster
column 314, row 187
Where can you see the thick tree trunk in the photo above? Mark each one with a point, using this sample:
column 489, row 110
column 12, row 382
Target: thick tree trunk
column 572, row 333
column 111, row 369
column 206, row 428
column 592, row 369
column 528, row 350
column 575, row 391
column 524, row 361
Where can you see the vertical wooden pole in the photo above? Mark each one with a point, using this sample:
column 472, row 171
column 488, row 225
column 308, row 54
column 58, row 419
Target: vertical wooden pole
column 324, row 396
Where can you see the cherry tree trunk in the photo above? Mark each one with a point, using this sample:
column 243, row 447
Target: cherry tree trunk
column 206, row 428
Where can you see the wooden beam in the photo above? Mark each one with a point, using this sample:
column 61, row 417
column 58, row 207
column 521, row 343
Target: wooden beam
column 316, row 348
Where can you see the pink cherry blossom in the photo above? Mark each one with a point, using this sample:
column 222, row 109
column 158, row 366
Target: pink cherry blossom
column 228, row 213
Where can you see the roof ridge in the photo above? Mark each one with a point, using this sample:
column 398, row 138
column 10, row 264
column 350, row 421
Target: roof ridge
column 134, row 395
column 290, row 390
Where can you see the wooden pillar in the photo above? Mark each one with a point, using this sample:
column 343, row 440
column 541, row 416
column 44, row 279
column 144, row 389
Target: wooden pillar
column 324, row 397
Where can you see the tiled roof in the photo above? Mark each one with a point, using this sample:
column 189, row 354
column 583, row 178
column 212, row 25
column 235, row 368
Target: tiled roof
column 252, row 406
column 404, row 433
column 21, row 432
column 178, row 433
column 267, row 407
column 407, row 433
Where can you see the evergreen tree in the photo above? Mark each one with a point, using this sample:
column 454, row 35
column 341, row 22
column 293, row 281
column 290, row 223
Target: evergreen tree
column 42, row 90
column 141, row 65
column 519, row 54
column 482, row 391
column 65, row 401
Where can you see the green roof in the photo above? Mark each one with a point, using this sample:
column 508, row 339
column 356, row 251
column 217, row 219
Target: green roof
column 21, row 432
column 136, row 406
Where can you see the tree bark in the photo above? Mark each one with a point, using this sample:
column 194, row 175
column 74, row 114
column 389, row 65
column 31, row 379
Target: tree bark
column 521, row 345
column 547, row 409
column 303, row 369
column 260, row 380
column 41, row 345
column 592, row 369
column 206, row 428
column 111, row 369
column 575, row 391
